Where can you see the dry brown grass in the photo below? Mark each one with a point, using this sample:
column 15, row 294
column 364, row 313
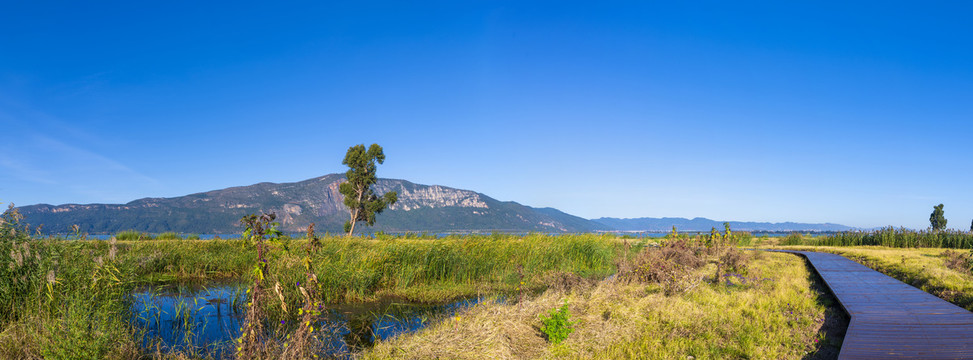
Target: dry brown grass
column 959, row 261
column 673, row 265
column 489, row 330
column 15, row 343
column 780, row 317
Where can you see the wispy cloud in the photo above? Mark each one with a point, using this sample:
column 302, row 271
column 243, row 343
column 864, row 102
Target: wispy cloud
column 96, row 162
column 53, row 160
column 24, row 171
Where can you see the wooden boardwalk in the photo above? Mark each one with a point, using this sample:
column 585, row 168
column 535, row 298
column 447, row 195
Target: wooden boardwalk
column 891, row 319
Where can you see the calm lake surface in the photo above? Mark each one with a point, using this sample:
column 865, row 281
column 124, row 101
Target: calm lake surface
column 209, row 318
column 441, row 235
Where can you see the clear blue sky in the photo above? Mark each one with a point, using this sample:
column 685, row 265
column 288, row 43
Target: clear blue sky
column 815, row 112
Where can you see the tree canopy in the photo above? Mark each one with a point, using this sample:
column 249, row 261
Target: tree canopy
column 357, row 190
column 937, row 220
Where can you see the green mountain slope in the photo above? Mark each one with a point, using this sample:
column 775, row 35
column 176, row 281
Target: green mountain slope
column 704, row 224
column 420, row 208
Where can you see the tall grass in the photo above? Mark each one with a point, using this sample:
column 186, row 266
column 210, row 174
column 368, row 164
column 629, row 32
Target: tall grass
column 435, row 270
column 889, row 237
column 132, row 235
column 69, row 299
column 64, row 300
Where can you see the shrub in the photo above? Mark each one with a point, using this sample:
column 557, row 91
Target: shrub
column 557, row 325
column 743, row 238
column 793, row 238
column 734, row 260
column 962, row 262
column 670, row 265
column 168, row 236
column 132, row 235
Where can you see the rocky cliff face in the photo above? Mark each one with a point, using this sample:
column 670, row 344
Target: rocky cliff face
column 419, row 208
column 429, row 196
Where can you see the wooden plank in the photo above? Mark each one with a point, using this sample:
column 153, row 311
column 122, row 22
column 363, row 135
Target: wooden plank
column 891, row 319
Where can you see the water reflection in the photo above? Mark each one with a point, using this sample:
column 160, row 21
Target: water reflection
column 191, row 318
column 206, row 319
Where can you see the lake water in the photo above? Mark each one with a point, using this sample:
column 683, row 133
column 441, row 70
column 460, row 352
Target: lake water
column 441, row 235
column 209, row 318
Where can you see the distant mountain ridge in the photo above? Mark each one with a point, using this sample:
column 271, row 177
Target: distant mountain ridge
column 431, row 208
column 704, row 224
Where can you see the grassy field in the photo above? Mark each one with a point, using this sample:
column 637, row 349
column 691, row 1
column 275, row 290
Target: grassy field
column 777, row 314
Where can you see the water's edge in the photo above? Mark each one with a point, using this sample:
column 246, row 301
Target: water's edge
column 208, row 318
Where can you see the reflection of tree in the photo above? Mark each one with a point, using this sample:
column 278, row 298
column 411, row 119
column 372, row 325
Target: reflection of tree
column 360, row 333
column 220, row 317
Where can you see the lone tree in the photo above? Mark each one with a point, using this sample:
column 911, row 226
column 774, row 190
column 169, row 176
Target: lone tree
column 936, row 219
column 359, row 198
column 971, row 226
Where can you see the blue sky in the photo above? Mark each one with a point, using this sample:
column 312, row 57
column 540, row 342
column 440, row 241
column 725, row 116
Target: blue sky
column 765, row 111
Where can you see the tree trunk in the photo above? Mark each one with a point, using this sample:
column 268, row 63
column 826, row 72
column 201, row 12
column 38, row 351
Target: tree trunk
column 354, row 213
column 352, row 231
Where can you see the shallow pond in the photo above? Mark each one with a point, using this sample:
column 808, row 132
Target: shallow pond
column 208, row 318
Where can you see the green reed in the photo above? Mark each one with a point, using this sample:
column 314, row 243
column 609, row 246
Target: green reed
column 889, row 237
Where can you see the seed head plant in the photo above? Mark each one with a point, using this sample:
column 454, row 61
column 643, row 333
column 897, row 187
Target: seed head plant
column 305, row 340
column 258, row 231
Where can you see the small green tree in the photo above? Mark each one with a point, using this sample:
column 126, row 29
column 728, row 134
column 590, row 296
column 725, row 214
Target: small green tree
column 359, row 197
column 557, row 325
column 936, row 219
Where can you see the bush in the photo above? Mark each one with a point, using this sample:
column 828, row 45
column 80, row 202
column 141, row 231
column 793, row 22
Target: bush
column 657, row 264
column 557, row 325
column 733, row 260
column 743, row 238
column 793, row 238
column 168, row 236
column 132, row 235
column 962, row 262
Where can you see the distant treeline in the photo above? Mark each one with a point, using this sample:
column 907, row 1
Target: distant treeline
column 890, row 237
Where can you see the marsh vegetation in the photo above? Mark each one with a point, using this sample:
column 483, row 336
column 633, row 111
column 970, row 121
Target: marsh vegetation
column 888, row 237
column 680, row 295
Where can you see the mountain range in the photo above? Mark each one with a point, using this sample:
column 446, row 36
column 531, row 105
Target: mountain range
column 704, row 224
column 419, row 207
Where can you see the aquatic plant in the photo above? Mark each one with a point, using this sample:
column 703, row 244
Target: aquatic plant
column 890, row 237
